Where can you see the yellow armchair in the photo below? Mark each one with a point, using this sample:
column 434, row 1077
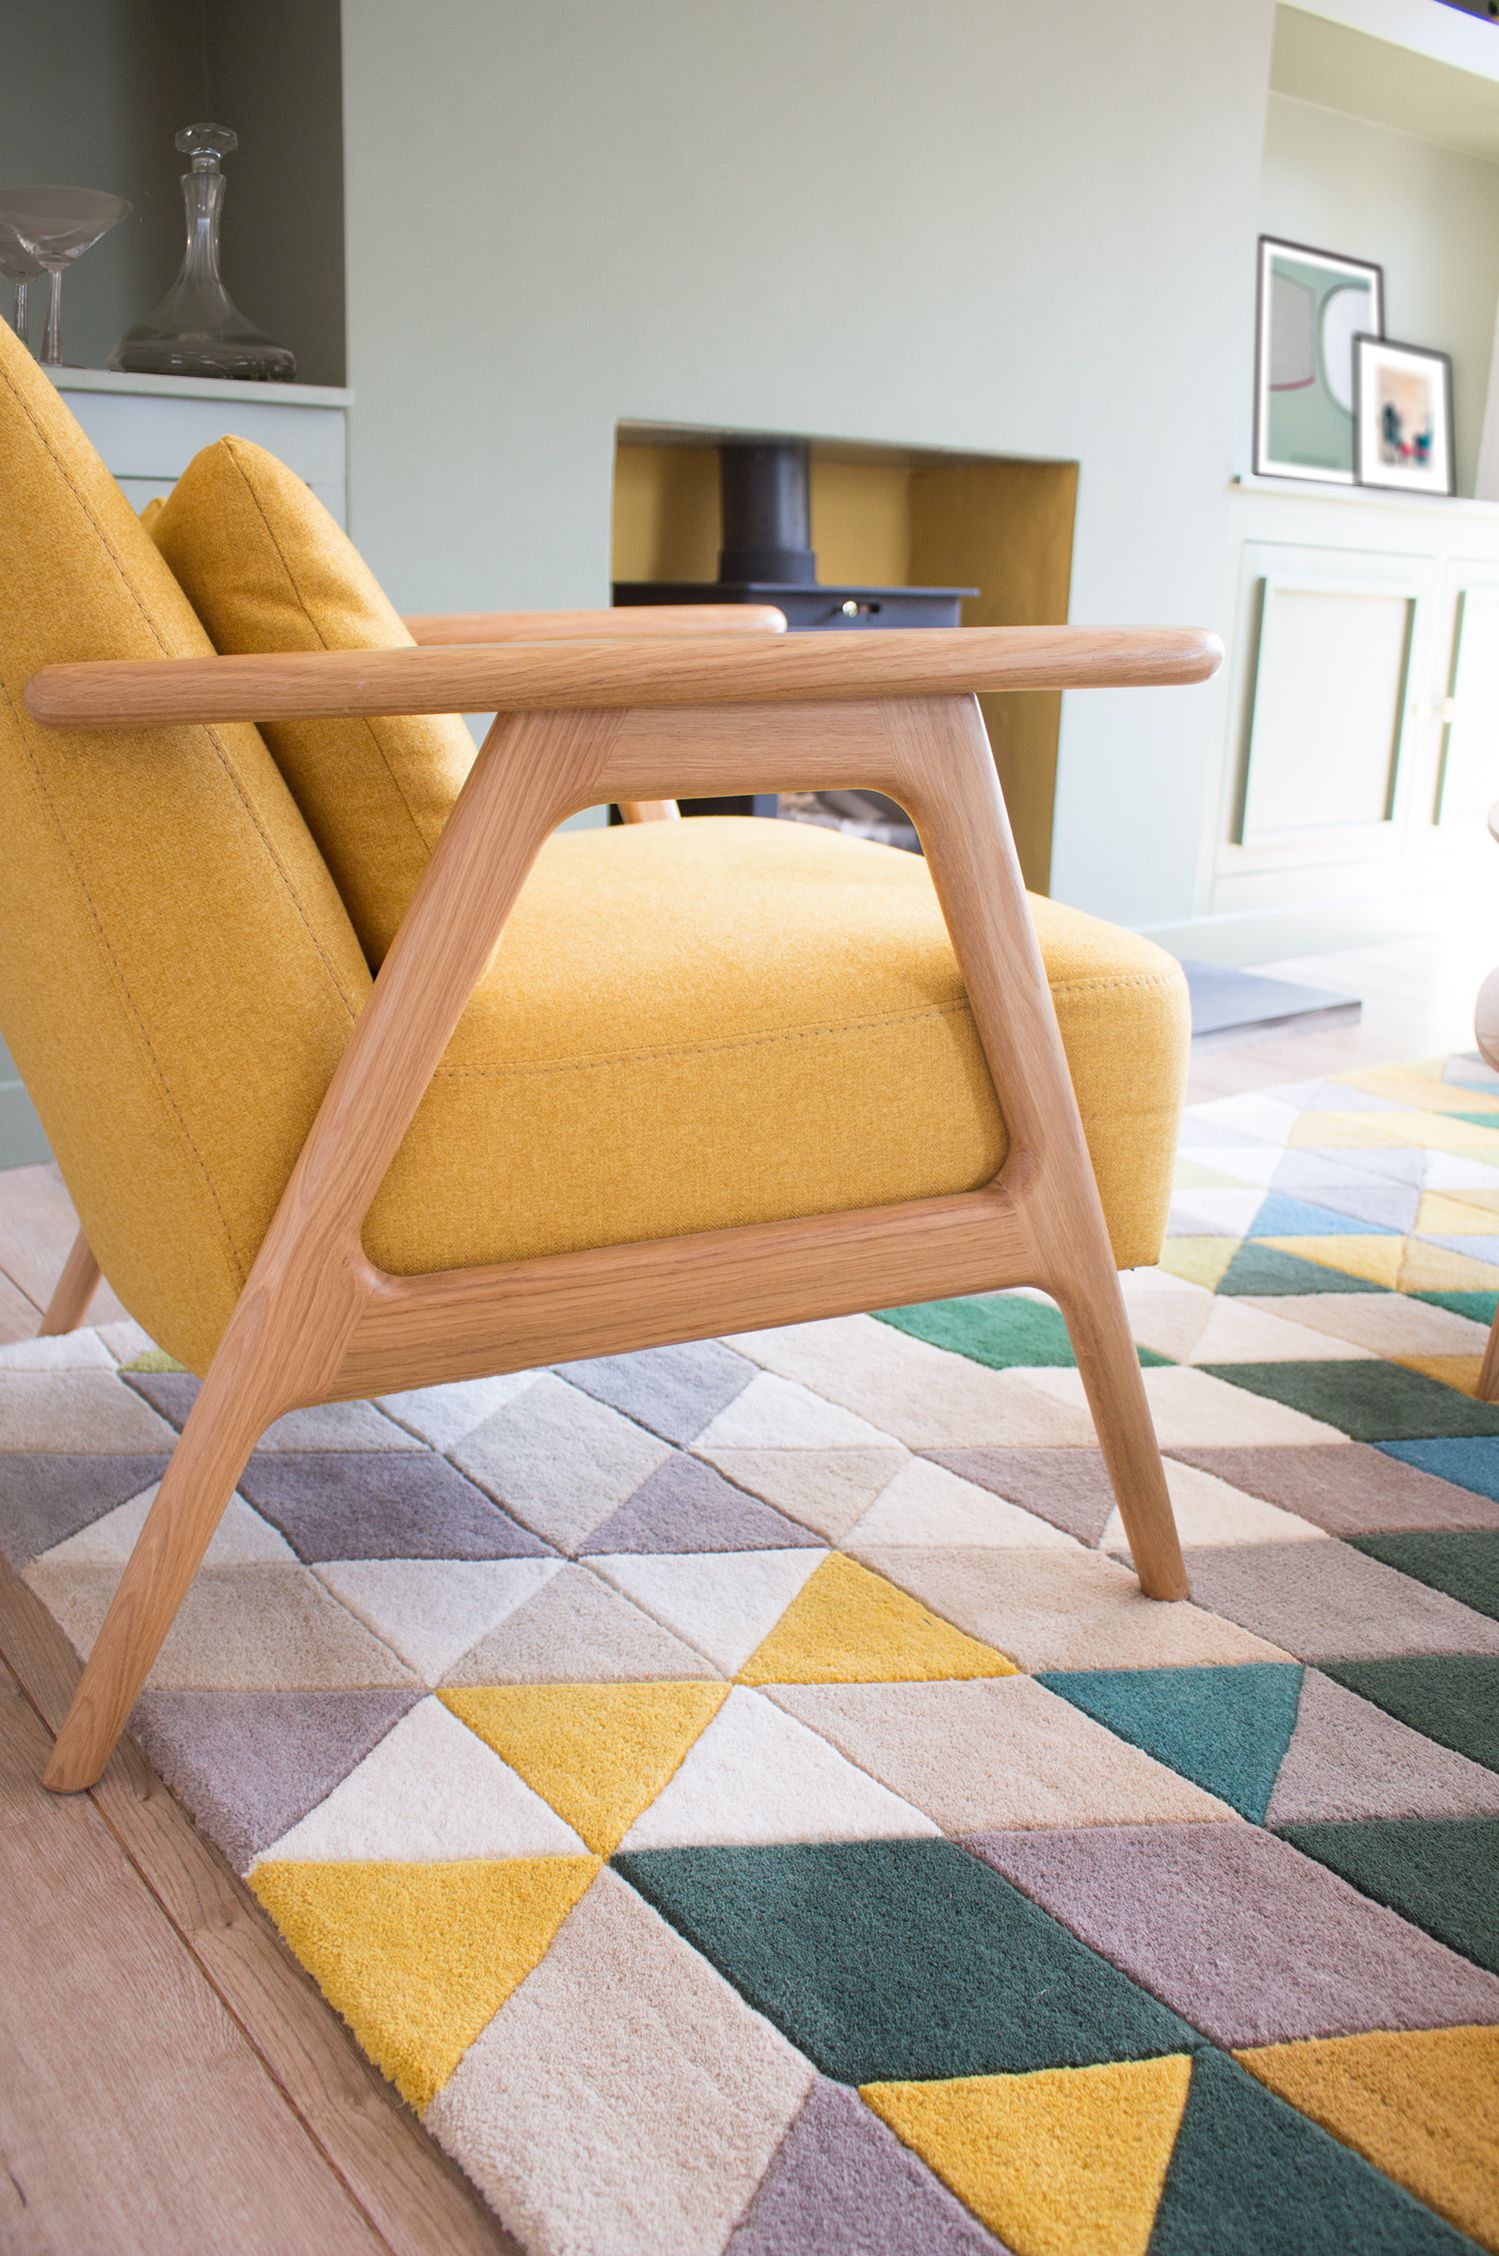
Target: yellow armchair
column 362, row 1186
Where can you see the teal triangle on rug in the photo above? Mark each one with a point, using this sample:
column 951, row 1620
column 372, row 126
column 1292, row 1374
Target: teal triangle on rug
column 1227, row 1729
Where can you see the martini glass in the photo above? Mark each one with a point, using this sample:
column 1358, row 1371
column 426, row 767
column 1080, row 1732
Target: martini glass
column 20, row 267
column 56, row 226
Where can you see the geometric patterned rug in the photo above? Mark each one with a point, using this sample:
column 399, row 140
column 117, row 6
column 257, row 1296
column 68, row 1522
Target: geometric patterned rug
column 741, row 1798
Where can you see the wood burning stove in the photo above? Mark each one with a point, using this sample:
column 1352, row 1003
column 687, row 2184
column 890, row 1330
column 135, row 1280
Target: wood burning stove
column 766, row 557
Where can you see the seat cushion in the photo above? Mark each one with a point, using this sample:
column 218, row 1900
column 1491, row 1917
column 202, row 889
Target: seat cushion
column 692, row 1025
column 267, row 568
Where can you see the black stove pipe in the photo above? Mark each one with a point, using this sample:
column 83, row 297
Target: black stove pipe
column 767, row 511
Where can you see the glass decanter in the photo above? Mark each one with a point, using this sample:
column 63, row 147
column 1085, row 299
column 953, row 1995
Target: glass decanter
column 198, row 330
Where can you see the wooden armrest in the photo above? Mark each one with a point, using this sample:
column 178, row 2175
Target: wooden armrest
column 635, row 619
column 691, row 670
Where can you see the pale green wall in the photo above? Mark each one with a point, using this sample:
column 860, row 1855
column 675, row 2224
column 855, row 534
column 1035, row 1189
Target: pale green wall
column 1429, row 216
column 973, row 223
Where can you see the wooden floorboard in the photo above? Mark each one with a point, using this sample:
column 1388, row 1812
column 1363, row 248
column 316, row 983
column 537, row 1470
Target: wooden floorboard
column 406, row 2185
column 402, row 2191
column 137, row 2119
column 179, row 2085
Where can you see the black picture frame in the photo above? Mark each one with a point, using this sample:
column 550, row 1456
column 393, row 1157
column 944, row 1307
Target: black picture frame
column 1443, row 488
column 1265, row 466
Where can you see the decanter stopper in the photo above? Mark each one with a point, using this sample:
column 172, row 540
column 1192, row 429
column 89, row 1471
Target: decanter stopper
column 198, row 330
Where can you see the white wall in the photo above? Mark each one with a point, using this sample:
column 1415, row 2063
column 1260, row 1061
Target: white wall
column 977, row 223
column 1429, row 216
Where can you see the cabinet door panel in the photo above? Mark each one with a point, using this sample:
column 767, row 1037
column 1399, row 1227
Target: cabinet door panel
column 1470, row 746
column 1329, row 690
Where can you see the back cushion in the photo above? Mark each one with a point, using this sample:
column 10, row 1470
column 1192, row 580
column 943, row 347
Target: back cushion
column 178, row 976
column 266, row 568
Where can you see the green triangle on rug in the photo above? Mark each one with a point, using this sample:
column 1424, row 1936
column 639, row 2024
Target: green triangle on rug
column 1452, row 1698
column 1251, row 2177
column 1436, row 1872
column 1227, row 1729
column 1478, row 1307
column 1263, row 1270
column 1464, row 1563
column 1005, row 1331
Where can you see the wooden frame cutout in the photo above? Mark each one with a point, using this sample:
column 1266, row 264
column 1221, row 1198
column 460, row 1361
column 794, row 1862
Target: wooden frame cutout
column 318, row 1322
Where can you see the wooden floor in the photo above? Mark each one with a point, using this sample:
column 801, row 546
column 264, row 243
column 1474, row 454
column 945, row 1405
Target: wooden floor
column 169, row 2081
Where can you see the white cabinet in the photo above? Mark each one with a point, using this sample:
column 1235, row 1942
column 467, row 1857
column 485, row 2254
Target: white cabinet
column 1470, row 714
column 148, row 428
column 1362, row 740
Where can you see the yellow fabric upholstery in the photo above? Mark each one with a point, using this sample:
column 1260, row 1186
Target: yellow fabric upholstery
column 267, row 568
column 686, row 1026
column 178, row 976
column 691, row 1025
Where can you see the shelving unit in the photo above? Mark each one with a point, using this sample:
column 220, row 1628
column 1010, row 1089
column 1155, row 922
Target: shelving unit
column 1361, row 702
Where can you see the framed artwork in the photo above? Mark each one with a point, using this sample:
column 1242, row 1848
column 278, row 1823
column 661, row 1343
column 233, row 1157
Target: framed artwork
column 1403, row 400
column 1312, row 304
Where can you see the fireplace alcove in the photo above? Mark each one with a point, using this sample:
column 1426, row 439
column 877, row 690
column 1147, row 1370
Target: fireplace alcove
column 886, row 516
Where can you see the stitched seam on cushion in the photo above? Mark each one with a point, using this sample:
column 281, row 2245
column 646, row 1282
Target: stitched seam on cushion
column 125, row 997
column 1110, row 985
column 267, row 844
column 710, row 1049
column 365, row 722
column 877, row 1024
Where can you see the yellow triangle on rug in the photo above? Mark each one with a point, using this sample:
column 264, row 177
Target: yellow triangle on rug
column 1199, row 1261
column 1375, row 1259
column 418, row 1958
column 850, row 1626
column 599, row 1753
column 1062, row 2162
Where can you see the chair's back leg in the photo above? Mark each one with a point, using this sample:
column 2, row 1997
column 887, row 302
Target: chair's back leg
column 1488, row 1376
column 75, row 1288
column 227, row 1419
column 965, row 831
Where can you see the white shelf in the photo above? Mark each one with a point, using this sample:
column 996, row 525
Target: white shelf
column 1422, row 27
column 198, row 387
column 1370, row 497
column 1336, row 58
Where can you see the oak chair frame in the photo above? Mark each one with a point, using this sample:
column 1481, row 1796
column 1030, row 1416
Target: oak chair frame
column 636, row 721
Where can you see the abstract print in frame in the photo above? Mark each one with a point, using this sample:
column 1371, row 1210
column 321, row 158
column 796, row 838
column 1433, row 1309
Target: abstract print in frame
column 1403, row 397
column 1311, row 306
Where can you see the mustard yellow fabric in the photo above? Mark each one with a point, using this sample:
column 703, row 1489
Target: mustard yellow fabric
column 691, row 1025
column 178, row 976
column 686, row 1026
column 267, row 568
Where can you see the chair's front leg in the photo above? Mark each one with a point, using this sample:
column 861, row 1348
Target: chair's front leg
column 965, row 831
column 233, row 1408
column 287, row 1334
column 1098, row 1326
